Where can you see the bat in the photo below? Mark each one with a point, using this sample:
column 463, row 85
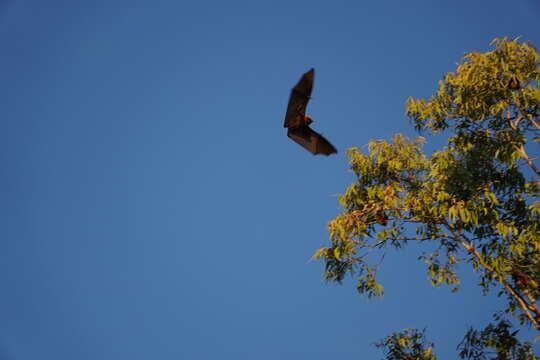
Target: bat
column 514, row 84
column 381, row 218
column 297, row 122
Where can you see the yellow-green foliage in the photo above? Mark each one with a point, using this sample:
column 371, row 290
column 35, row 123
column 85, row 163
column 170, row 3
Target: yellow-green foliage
column 409, row 344
column 479, row 88
column 477, row 198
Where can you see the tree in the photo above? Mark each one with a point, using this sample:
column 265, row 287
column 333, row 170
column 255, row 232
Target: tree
column 477, row 198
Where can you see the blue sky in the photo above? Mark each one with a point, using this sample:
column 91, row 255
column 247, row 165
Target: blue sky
column 153, row 207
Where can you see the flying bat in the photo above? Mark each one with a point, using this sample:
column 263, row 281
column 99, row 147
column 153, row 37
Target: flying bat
column 297, row 122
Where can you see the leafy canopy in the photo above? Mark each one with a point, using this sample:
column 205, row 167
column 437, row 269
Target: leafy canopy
column 476, row 199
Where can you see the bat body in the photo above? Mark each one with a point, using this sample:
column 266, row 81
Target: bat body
column 297, row 122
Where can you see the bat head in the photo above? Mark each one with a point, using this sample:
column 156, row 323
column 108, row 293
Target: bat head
column 307, row 119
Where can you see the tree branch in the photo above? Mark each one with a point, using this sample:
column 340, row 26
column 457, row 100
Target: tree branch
column 526, row 307
column 535, row 124
column 525, row 157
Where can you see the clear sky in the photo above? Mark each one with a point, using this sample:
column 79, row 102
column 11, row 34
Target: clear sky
column 152, row 205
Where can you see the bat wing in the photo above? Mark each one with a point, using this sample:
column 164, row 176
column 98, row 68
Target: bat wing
column 296, row 110
column 311, row 140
